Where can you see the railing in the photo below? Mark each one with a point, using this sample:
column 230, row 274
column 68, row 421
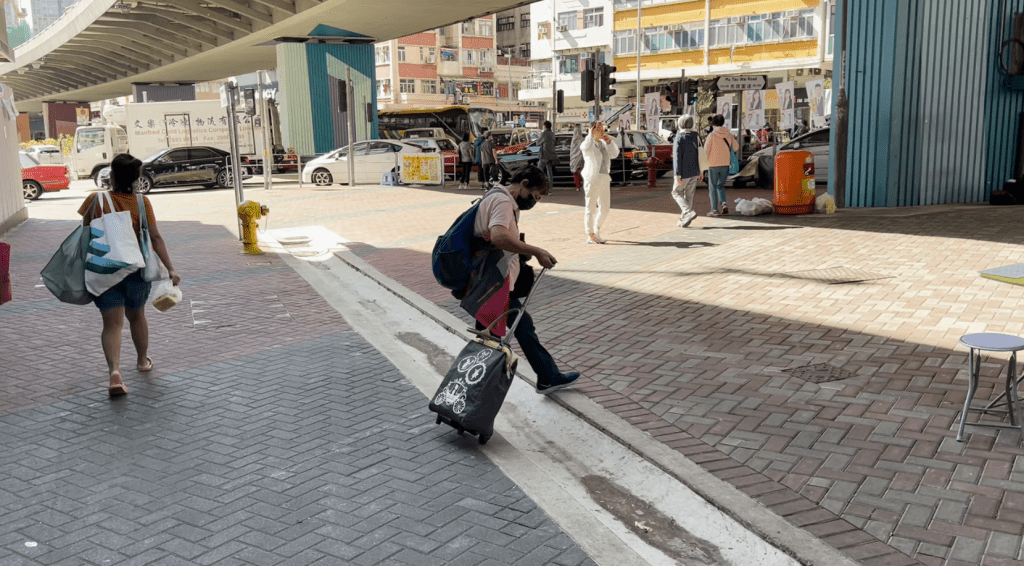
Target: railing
column 535, row 81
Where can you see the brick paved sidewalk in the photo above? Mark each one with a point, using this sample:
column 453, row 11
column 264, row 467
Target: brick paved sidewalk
column 688, row 334
column 268, row 433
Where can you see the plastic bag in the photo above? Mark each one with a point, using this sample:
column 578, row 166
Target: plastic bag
column 165, row 294
column 824, row 203
column 754, row 207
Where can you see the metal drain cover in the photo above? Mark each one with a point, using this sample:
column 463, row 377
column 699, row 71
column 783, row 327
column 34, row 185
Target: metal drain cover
column 820, row 373
column 836, row 275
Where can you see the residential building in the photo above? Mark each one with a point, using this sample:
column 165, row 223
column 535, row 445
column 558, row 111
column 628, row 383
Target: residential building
column 787, row 40
column 456, row 64
column 564, row 37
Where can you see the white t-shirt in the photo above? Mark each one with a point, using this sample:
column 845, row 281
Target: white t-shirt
column 499, row 210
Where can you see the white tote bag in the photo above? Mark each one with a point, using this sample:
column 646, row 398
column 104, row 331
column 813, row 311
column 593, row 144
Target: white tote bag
column 154, row 270
column 113, row 249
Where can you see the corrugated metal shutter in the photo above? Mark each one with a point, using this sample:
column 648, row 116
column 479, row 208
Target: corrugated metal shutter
column 930, row 122
column 145, row 92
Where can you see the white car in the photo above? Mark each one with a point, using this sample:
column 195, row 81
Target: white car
column 46, row 154
column 373, row 158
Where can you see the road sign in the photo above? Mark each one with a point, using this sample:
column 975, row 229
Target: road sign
column 749, row 82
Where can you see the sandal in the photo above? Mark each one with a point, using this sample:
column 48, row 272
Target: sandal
column 147, row 367
column 117, row 389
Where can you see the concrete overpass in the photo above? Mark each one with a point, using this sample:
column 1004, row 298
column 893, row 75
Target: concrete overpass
column 100, row 47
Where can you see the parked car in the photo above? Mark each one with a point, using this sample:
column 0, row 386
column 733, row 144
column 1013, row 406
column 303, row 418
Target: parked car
column 510, row 140
column 648, row 142
column 816, row 142
column 37, row 179
column 182, row 166
column 45, row 154
column 627, row 165
column 373, row 158
column 442, row 145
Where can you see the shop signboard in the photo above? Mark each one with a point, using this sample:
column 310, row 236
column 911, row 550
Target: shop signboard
column 422, row 169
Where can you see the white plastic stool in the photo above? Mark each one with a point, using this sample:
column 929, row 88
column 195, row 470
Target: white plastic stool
column 993, row 342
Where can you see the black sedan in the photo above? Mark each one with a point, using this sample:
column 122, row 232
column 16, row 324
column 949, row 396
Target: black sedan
column 628, row 165
column 181, row 166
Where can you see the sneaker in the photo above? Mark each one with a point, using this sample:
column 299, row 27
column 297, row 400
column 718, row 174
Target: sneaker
column 686, row 220
column 563, row 381
column 725, row 210
column 713, row 214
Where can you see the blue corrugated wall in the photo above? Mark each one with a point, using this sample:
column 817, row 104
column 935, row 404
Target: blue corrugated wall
column 361, row 59
column 930, row 122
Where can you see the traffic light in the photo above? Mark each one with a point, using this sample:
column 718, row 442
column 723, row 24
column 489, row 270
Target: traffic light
column 691, row 92
column 560, row 101
column 607, row 82
column 587, row 85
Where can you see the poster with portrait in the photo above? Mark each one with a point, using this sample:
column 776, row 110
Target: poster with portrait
column 784, row 92
column 753, row 109
column 652, row 107
column 724, row 107
column 819, row 103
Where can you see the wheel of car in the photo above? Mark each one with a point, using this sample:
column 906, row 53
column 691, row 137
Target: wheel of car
column 224, row 178
column 144, row 184
column 322, row 178
column 31, row 189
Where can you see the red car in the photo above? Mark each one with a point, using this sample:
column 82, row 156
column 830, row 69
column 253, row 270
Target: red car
column 648, row 142
column 37, row 179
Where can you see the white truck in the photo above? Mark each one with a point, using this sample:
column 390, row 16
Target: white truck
column 147, row 127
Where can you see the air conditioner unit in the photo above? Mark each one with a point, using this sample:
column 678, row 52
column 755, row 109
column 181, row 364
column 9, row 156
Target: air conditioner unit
column 675, row 27
column 735, row 19
column 430, row 60
column 486, row 69
column 816, row 71
column 563, row 28
column 584, row 55
column 790, row 13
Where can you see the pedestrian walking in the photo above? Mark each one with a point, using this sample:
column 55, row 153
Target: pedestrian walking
column 501, row 280
column 548, row 158
column 598, row 151
column 466, row 155
column 718, row 146
column 128, row 298
column 488, row 159
column 576, row 156
column 479, row 164
column 689, row 164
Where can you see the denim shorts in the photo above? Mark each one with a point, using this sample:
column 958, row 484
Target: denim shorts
column 131, row 293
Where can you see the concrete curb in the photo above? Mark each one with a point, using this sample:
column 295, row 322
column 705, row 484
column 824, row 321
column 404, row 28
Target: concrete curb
column 794, row 541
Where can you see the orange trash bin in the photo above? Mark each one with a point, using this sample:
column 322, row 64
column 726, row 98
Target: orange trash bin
column 794, row 183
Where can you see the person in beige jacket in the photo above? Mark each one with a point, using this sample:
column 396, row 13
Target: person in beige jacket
column 717, row 146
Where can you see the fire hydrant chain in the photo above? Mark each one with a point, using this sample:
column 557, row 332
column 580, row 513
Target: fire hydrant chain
column 249, row 212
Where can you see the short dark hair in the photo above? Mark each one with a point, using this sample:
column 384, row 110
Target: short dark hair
column 484, row 130
column 547, row 124
column 535, row 179
column 717, row 120
column 465, row 137
column 124, row 171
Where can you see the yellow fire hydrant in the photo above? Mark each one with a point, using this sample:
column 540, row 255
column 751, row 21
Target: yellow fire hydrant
column 249, row 212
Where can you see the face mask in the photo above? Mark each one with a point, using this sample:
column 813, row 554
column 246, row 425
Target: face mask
column 526, row 203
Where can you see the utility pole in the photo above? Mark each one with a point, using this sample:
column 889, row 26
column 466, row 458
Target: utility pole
column 554, row 70
column 639, row 48
column 350, row 96
column 236, row 178
column 842, row 117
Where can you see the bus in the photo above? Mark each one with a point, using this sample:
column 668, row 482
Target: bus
column 456, row 121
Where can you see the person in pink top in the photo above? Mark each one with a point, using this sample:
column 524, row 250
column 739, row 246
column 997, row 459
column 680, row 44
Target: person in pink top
column 717, row 145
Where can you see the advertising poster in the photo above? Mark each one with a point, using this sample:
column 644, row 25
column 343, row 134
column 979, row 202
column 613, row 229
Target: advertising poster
column 786, row 99
column 819, row 99
column 725, row 108
column 422, row 169
column 652, row 105
column 753, row 109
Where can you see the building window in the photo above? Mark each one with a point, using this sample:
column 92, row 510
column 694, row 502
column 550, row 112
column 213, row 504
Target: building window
column 484, row 28
column 485, row 57
column 567, row 20
column 487, row 89
column 469, row 57
column 661, row 38
column 762, row 28
column 831, row 48
column 428, row 86
column 407, row 86
column 524, row 20
column 506, row 51
column 624, row 42
column 384, row 88
column 401, row 54
column 382, row 53
column 593, row 17
column 467, row 28
column 524, row 51
column 543, row 30
column 507, row 23
column 569, row 64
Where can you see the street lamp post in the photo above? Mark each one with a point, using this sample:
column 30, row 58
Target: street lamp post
column 639, row 48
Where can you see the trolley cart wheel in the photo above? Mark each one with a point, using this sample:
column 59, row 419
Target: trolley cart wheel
column 484, row 439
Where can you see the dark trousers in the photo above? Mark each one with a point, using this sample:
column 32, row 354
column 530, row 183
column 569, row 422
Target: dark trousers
column 486, row 172
column 466, row 168
column 526, row 334
column 481, row 174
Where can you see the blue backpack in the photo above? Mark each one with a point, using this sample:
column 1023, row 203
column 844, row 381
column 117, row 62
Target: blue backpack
column 452, row 257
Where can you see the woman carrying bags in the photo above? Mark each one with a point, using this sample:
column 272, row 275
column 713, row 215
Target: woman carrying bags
column 719, row 146
column 126, row 299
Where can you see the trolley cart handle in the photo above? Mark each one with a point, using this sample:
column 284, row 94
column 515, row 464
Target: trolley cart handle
column 486, row 333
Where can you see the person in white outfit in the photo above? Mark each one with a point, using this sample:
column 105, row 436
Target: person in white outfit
column 598, row 151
